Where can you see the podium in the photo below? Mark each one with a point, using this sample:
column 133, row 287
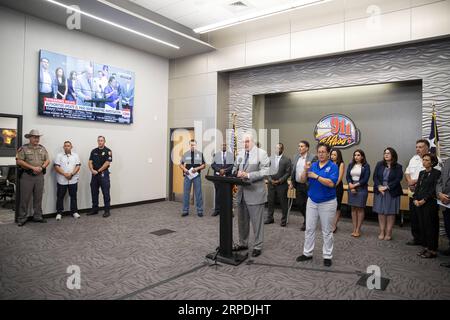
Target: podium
column 225, row 191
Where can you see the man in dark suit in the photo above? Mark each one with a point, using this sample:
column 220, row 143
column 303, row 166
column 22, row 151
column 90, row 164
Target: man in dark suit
column 301, row 189
column 222, row 165
column 280, row 170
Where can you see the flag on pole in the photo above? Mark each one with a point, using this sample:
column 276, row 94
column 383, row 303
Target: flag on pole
column 234, row 144
column 434, row 135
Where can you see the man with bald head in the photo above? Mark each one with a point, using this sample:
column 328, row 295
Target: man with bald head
column 252, row 164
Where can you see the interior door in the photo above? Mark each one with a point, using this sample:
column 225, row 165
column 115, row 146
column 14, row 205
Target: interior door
column 180, row 144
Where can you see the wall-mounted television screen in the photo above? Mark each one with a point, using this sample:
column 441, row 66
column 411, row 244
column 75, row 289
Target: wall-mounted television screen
column 73, row 88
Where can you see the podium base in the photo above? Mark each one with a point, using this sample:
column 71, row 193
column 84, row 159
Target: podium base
column 235, row 259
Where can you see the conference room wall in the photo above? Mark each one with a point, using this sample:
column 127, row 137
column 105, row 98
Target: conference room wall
column 139, row 150
column 385, row 114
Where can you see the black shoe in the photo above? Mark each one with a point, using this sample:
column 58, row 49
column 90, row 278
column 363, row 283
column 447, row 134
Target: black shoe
column 22, row 223
column 42, row 220
column 413, row 243
column 283, row 224
column 445, row 252
column 445, row 265
column 256, row 252
column 239, row 248
column 303, row 228
column 184, row 214
column 327, row 262
column 106, row 214
column 303, row 258
column 200, row 215
column 92, row 212
column 269, row 221
column 215, row 213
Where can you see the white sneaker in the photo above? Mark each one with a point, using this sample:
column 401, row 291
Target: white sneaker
column 76, row 215
column 58, row 217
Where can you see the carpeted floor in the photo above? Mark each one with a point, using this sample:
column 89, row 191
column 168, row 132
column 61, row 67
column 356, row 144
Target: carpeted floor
column 119, row 258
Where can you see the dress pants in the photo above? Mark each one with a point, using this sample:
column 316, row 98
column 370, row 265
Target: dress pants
column 61, row 190
column 301, row 197
column 253, row 213
column 281, row 192
column 325, row 211
column 31, row 187
column 101, row 181
column 446, row 214
column 415, row 227
column 428, row 216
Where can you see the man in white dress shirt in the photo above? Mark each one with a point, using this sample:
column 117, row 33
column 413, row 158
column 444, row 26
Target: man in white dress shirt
column 67, row 167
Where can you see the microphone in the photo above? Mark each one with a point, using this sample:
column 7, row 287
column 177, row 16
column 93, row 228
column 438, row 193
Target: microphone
column 239, row 161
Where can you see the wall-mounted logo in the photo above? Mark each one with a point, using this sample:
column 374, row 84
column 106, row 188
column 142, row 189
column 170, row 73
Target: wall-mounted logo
column 337, row 130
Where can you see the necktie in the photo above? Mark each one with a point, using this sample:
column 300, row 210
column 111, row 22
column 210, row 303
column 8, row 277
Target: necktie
column 246, row 158
column 224, row 158
column 192, row 158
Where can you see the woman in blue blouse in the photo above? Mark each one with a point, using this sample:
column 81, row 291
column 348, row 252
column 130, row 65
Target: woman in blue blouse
column 322, row 177
column 358, row 174
column 387, row 188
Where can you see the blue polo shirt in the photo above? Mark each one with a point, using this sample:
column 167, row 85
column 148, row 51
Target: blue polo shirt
column 316, row 190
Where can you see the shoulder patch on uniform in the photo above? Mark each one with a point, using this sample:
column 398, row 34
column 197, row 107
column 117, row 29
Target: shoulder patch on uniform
column 110, row 153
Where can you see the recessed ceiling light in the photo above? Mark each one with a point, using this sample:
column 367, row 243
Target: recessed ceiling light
column 257, row 15
column 119, row 26
column 131, row 13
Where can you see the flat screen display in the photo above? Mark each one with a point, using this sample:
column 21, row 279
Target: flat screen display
column 74, row 88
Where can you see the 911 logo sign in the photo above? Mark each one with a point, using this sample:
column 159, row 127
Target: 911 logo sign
column 337, row 130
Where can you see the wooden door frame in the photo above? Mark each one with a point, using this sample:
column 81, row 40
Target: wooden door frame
column 171, row 130
column 19, row 119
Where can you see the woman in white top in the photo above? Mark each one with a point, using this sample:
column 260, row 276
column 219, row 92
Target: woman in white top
column 358, row 174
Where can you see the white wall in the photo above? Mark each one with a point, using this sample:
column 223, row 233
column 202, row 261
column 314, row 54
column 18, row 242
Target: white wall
column 133, row 177
column 335, row 27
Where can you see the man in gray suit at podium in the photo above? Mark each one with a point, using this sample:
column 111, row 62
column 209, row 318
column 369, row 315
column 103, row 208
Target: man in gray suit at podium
column 253, row 164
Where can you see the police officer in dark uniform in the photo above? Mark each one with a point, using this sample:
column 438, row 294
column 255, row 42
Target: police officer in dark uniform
column 99, row 162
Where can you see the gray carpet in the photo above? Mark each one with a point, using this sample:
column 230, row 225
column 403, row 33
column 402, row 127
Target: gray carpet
column 120, row 258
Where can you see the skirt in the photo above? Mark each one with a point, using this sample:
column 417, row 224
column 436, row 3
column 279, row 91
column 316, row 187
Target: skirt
column 358, row 199
column 386, row 204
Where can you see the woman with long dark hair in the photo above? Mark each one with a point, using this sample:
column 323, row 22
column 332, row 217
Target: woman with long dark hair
column 387, row 188
column 358, row 175
column 427, row 207
column 61, row 84
column 336, row 157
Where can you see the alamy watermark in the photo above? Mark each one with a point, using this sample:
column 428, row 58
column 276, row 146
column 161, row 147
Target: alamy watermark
column 74, row 280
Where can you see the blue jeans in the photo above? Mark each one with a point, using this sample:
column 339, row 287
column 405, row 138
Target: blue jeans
column 197, row 181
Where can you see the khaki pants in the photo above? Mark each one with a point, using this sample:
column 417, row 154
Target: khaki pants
column 31, row 187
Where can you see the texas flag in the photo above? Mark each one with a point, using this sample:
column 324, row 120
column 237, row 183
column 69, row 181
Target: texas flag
column 434, row 136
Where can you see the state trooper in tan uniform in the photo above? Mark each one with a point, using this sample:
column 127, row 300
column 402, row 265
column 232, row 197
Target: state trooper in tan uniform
column 33, row 159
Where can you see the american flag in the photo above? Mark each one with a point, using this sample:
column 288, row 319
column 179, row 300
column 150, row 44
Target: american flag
column 434, row 135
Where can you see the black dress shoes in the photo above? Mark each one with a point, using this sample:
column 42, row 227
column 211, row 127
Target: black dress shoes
column 41, row 220
column 92, row 213
column 283, row 224
column 303, row 258
column 269, row 221
column 413, row 243
column 303, row 228
column 256, row 252
column 327, row 262
column 106, row 214
column 215, row 213
column 21, row 224
column 239, row 248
